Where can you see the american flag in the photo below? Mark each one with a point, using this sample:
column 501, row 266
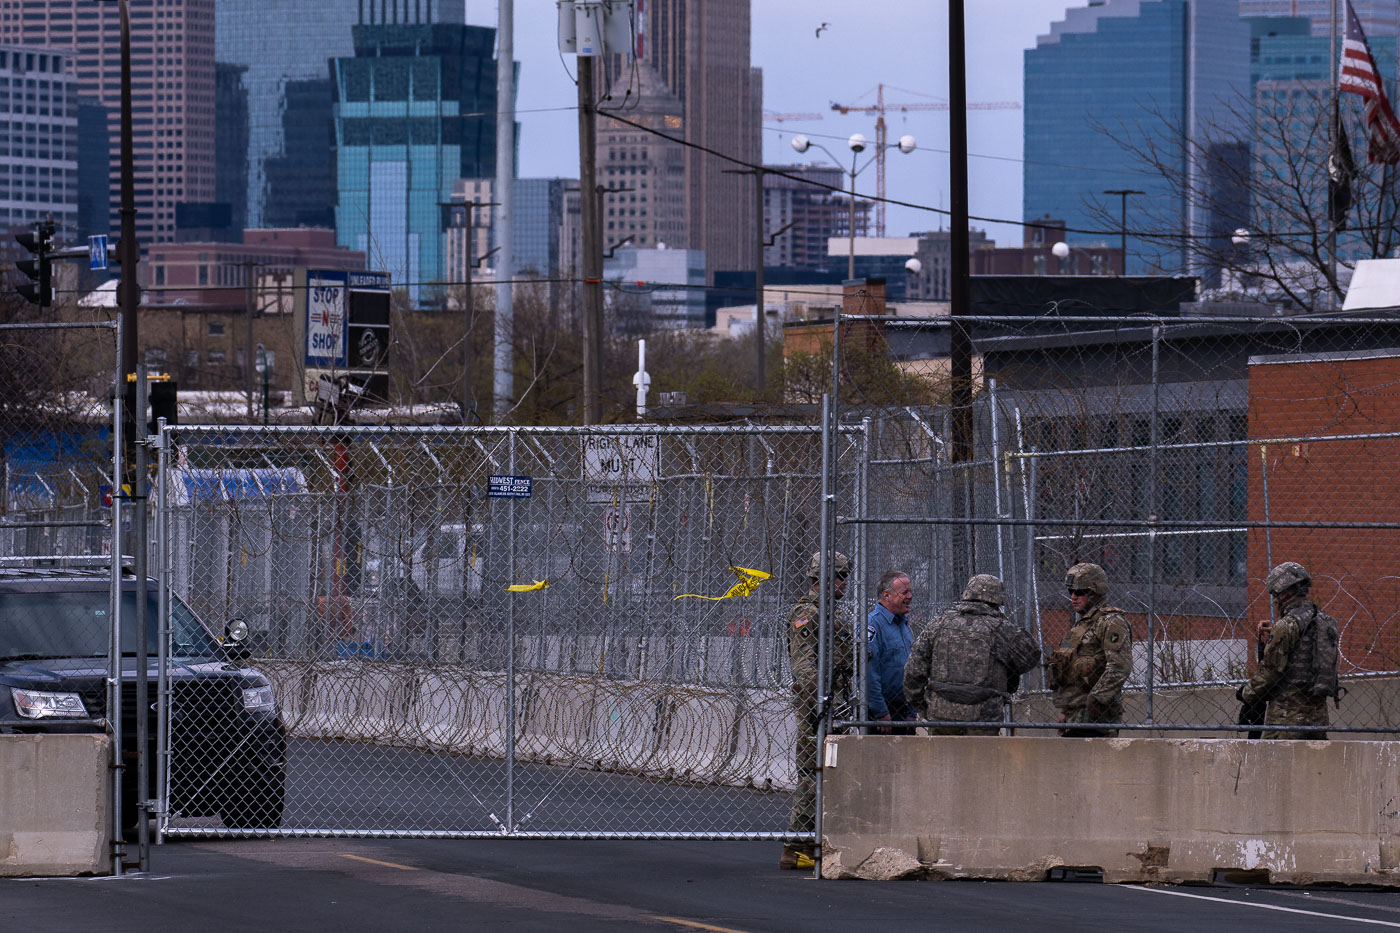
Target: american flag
column 1358, row 74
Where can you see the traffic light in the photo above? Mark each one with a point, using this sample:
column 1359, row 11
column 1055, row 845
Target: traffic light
column 39, row 242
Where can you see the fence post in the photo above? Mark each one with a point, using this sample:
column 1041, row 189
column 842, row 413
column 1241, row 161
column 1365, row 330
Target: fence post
column 1154, row 515
column 510, row 652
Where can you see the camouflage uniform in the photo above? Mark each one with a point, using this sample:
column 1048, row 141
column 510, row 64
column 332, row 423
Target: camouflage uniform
column 1087, row 671
column 967, row 662
column 803, row 631
column 1285, row 674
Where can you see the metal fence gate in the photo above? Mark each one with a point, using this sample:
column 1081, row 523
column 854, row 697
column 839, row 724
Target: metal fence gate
column 507, row 631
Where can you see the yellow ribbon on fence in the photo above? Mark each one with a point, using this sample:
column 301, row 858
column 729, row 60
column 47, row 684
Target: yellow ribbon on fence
column 528, row 587
column 749, row 580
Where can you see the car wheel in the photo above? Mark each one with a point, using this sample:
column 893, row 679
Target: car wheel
column 256, row 804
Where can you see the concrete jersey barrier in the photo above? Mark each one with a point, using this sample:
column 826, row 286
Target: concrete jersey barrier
column 1138, row 809
column 54, row 805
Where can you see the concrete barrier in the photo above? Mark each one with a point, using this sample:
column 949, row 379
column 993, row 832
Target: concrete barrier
column 54, row 805
column 1139, row 810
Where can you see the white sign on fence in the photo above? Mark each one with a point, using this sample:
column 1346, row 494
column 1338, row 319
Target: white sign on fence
column 621, row 468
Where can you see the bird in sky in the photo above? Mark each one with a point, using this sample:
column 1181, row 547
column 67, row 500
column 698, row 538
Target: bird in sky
column 820, row 28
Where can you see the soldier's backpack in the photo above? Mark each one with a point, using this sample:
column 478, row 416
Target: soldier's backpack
column 1324, row 656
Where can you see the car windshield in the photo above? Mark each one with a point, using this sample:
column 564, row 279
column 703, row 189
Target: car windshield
column 76, row 624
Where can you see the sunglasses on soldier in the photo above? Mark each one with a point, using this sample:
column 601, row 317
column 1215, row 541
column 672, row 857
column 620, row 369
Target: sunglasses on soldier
column 1074, row 592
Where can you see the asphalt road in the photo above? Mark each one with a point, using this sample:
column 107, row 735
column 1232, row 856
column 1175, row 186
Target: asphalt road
column 526, row 885
column 342, row 786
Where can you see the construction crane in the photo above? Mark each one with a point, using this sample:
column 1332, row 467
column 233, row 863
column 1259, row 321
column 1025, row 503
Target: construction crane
column 879, row 108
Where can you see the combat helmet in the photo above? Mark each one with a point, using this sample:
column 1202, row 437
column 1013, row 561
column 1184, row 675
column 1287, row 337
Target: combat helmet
column 840, row 566
column 1087, row 577
column 1286, row 576
column 985, row 588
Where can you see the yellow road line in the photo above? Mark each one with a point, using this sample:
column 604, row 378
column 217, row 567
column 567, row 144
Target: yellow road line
column 372, row 861
column 695, row 926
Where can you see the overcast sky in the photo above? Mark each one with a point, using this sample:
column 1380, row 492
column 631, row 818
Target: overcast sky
column 901, row 43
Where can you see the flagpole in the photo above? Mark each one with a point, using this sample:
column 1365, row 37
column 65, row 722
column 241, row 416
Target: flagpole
column 1332, row 130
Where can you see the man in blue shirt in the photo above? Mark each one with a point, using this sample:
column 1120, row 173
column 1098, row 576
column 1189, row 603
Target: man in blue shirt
column 888, row 639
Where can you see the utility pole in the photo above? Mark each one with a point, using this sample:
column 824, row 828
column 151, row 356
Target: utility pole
column 129, row 296
column 249, row 275
column 760, row 310
column 590, row 218
column 960, row 350
column 760, row 241
column 504, row 382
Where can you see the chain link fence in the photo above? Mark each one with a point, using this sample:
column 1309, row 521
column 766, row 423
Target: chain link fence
column 488, row 631
column 574, row 632
column 1185, row 456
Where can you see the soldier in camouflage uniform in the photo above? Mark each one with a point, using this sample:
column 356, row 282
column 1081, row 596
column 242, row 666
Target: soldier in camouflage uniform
column 1286, row 676
column 1088, row 669
column 804, row 634
column 968, row 661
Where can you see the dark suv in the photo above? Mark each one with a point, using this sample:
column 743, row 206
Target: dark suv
column 227, row 742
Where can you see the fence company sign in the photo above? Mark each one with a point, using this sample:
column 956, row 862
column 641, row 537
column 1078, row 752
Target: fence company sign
column 621, row 468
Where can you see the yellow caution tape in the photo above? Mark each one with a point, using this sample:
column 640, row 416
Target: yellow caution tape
column 749, row 580
column 528, row 587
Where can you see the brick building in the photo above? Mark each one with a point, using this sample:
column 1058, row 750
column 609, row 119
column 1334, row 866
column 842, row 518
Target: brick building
column 1346, row 394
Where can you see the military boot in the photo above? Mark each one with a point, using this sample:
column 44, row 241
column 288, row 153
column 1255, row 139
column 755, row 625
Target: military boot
column 798, row 856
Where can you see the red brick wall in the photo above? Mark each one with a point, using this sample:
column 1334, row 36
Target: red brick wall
column 1356, row 571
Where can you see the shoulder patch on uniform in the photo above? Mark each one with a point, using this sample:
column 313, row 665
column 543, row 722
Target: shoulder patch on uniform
column 870, row 633
column 798, row 623
column 1115, row 632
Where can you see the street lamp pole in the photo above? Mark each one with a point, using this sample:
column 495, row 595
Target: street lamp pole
column 857, row 144
column 1123, row 221
column 856, row 148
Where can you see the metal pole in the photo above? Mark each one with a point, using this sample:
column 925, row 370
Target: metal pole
column 504, row 385
column 960, row 349
column 590, row 219
column 114, row 648
column 851, row 256
column 826, row 606
column 1332, row 127
column 140, row 489
column 251, row 298
column 129, row 251
column 1123, row 221
column 163, row 631
column 996, row 476
column 469, row 316
column 1153, row 516
column 760, row 315
column 510, row 657
column 862, row 565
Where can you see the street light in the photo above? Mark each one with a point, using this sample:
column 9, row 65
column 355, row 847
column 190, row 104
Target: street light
column 857, row 144
column 1123, row 220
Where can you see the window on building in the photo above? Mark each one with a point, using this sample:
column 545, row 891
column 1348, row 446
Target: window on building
column 216, row 328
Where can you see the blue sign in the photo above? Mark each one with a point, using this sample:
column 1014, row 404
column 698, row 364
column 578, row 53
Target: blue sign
column 509, row 487
column 97, row 252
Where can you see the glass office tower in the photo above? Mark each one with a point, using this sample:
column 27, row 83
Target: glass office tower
column 1153, row 73
column 415, row 109
column 278, row 42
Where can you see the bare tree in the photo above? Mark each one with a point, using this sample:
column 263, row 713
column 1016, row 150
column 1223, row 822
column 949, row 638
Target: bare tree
column 1267, row 199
